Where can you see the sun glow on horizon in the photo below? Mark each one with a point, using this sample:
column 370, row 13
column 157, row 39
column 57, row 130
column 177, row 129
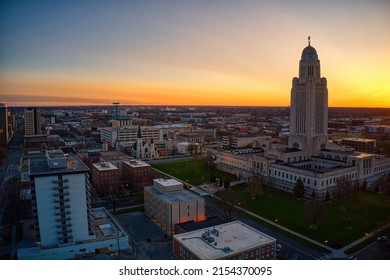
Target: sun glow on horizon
column 218, row 53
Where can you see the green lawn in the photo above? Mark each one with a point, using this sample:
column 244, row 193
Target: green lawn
column 195, row 172
column 340, row 222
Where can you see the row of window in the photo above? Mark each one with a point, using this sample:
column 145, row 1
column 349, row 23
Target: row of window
column 305, row 180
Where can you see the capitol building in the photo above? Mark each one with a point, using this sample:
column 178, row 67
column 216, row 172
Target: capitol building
column 321, row 165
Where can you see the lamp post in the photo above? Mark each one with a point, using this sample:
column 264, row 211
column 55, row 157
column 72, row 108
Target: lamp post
column 117, row 240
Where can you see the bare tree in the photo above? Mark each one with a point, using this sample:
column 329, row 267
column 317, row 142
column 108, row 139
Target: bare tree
column 255, row 187
column 230, row 200
column 315, row 212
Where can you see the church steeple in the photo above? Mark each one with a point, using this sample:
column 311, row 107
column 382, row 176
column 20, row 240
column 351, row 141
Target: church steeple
column 139, row 135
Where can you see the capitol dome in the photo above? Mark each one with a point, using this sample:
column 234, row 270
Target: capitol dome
column 309, row 53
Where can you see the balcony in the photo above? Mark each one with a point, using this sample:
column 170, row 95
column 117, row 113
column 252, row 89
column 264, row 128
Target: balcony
column 62, row 231
column 62, row 207
column 61, row 239
column 61, row 200
column 66, row 219
column 63, row 187
column 59, row 213
column 64, row 225
column 65, row 193
column 60, row 181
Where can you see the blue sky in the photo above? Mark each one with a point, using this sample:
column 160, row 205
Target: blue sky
column 190, row 52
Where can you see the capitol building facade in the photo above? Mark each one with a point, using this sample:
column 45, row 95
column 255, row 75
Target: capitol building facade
column 321, row 165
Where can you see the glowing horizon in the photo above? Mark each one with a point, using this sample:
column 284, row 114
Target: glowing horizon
column 217, row 53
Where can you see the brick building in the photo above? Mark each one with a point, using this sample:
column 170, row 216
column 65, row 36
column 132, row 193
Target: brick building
column 137, row 174
column 105, row 177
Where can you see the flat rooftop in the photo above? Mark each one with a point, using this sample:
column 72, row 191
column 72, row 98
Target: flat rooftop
column 39, row 166
column 55, row 154
column 167, row 182
column 103, row 166
column 113, row 155
column 174, row 197
column 191, row 225
column 137, row 163
column 365, row 140
column 104, row 226
column 321, row 167
column 229, row 239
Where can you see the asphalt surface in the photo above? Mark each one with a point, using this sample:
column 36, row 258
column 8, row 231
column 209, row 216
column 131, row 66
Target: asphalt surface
column 291, row 248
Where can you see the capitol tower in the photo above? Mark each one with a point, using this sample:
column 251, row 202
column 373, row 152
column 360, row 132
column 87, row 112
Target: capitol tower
column 309, row 105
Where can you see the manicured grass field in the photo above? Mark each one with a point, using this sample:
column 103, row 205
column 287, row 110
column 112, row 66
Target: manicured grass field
column 195, row 172
column 340, row 222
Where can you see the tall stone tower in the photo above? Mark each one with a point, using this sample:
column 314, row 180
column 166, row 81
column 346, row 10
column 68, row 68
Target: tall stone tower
column 309, row 105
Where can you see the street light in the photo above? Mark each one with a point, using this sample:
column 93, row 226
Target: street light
column 117, row 240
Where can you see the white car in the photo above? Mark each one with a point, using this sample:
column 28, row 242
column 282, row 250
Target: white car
column 382, row 238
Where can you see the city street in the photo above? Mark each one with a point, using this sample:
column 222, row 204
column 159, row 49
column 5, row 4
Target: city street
column 291, row 248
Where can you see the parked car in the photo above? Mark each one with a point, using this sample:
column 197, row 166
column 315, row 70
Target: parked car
column 382, row 238
column 278, row 248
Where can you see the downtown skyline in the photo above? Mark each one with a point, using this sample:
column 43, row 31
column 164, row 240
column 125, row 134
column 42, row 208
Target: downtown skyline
column 190, row 53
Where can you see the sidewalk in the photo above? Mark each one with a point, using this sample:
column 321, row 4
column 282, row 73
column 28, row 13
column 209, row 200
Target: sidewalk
column 340, row 253
column 335, row 253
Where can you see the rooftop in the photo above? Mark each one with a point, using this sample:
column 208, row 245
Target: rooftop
column 174, row 197
column 104, row 225
column 113, row 155
column 167, row 182
column 359, row 140
column 191, row 225
column 40, row 166
column 227, row 240
column 136, row 163
column 104, row 165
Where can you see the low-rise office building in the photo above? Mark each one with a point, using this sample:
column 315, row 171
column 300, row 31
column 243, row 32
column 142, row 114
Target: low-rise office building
column 170, row 204
column 229, row 241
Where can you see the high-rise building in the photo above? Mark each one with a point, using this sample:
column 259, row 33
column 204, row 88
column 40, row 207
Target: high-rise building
column 309, row 105
column 32, row 122
column 65, row 225
column 309, row 156
column 3, row 125
column 60, row 199
column 116, row 113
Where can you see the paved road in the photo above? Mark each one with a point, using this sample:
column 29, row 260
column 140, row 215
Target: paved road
column 291, row 248
column 9, row 169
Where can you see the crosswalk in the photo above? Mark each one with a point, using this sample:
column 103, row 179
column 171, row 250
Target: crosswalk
column 325, row 257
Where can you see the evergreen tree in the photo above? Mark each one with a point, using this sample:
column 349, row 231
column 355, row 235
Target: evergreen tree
column 299, row 189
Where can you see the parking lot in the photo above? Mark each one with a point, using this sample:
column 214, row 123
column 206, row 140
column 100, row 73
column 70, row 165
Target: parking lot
column 149, row 241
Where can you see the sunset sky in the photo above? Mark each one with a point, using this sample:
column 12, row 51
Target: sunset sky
column 204, row 52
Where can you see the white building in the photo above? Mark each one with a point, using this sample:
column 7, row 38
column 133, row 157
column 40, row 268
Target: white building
column 61, row 208
column 128, row 134
column 309, row 155
column 168, row 203
column 230, row 241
